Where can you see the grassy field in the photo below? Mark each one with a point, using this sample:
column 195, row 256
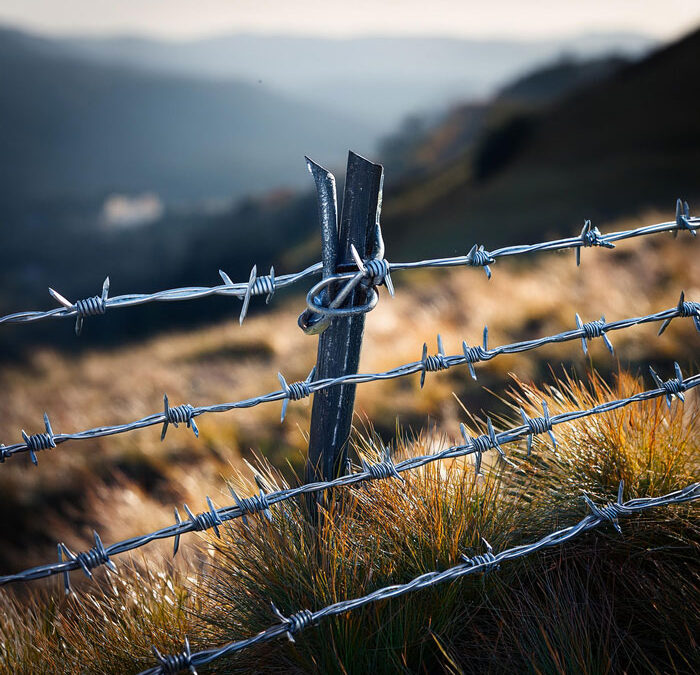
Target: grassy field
column 574, row 610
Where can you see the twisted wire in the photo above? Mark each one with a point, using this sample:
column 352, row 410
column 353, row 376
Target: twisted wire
column 481, row 563
column 181, row 413
column 298, row 390
column 265, row 285
column 471, row 446
column 593, row 329
column 94, row 306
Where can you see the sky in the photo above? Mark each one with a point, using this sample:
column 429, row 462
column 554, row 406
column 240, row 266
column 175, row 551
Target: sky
column 181, row 19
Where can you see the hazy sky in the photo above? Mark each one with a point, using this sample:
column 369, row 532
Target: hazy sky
column 507, row 18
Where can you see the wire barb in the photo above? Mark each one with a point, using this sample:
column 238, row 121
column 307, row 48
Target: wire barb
column 673, row 387
column 684, row 309
column 377, row 271
column 206, row 520
column 538, row 425
column 172, row 664
column 385, row 468
column 36, row 442
column 591, row 236
column 474, row 354
column 591, row 330
column 478, row 256
column 88, row 560
column 433, row 363
column 295, row 622
column 93, row 306
column 487, row 560
column 180, row 414
column 683, row 218
column 295, row 391
column 610, row 511
column 253, row 504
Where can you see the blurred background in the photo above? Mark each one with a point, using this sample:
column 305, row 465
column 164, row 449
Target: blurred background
column 158, row 142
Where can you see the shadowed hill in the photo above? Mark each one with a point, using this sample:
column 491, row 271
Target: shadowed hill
column 74, row 128
column 627, row 143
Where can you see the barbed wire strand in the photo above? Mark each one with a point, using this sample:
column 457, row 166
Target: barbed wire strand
column 295, row 623
column 386, row 468
column 297, row 390
column 268, row 284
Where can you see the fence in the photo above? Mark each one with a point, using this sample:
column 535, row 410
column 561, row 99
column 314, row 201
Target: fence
column 335, row 310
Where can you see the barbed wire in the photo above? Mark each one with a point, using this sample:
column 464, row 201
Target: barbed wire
column 377, row 270
column 295, row 623
column 295, row 391
column 384, row 469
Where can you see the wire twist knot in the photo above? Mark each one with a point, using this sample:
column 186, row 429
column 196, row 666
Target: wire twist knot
column 37, row 442
column 591, row 330
column 683, row 218
column 684, row 308
column 591, row 236
column 478, row 256
column 171, row 664
column 181, row 414
column 295, row 622
column 253, row 504
column 434, row 362
column 4, row 453
column 488, row 559
column 610, row 511
column 538, row 425
column 94, row 306
column 385, row 468
column 674, row 386
column 87, row 560
column 200, row 522
column 295, row 391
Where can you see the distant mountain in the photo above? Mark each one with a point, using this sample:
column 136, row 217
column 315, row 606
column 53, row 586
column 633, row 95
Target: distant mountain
column 377, row 80
column 75, row 128
column 423, row 143
column 612, row 148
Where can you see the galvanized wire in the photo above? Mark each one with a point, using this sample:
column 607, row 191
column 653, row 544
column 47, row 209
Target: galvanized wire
column 385, row 468
column 295, row 623
column 297, row 390
column 267, row 284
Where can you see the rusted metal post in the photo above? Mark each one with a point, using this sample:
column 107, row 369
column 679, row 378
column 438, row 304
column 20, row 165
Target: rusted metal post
column 340, row 343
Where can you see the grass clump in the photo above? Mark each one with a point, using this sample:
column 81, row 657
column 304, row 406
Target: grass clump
column 602, row 603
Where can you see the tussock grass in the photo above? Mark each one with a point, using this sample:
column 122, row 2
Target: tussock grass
column 603, row 603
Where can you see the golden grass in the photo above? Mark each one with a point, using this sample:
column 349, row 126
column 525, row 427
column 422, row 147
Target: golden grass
column 601, row 604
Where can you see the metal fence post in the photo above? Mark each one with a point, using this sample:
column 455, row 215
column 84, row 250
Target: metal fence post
column 339, row 345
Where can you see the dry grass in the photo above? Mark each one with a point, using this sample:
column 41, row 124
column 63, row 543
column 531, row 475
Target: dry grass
column 601, row 604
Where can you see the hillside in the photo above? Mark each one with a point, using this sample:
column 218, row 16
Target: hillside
column 631, row 141
column 72, row 128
